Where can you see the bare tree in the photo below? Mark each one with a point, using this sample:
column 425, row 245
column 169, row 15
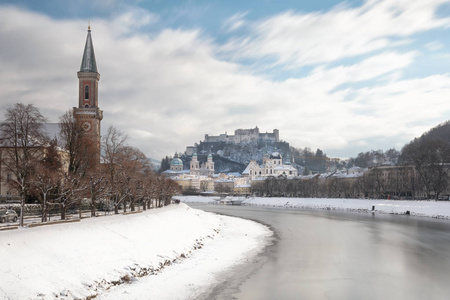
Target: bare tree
column 170, row 189
column 71, row 134
column 44, row 181
column 70, row 188
column 133, row 162
column 431, row 159
column 22, row 136
column 96, row 186
column 113, row 145
column 146, row 188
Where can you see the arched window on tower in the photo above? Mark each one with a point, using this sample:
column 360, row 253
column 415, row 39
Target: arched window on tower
column 86, row 92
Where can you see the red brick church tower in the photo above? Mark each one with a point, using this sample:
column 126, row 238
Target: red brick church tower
column 88, row 114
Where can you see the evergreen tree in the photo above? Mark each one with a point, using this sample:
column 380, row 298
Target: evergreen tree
column 165, row 164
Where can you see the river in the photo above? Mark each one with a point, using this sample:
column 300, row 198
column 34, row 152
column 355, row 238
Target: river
column 338, row 255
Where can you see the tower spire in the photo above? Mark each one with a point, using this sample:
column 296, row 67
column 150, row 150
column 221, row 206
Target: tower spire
column 88, row 114
column 88, row 63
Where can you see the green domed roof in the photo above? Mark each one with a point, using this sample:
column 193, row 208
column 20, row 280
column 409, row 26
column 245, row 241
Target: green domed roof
column 176, row 162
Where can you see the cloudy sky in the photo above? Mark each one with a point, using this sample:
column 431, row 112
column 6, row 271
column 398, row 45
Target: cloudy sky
column 344, row 77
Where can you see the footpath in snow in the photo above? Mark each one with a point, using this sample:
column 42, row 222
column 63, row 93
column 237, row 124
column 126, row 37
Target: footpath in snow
column 174, row 252
column 434, row 209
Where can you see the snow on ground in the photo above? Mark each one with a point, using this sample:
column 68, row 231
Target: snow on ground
column 434, row 209
column 207, row 266
column 78, row 260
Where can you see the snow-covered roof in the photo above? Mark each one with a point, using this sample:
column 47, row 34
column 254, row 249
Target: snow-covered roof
column 284, row 167
column 234, row 174
column 225, row 180
column 275, row 155
column 345, row 175
column 173, row 173
column 307, row 177
column 247, row 170
column 326, row 175
column 243, row 186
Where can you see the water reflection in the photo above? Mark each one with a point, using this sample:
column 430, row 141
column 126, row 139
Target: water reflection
column 336, row 255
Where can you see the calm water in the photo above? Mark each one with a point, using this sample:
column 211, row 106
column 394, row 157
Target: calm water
column 335, row 255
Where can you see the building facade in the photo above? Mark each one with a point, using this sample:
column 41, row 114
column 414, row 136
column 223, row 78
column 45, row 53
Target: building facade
column 272, row 166
column 205, row 169
column 244, row 135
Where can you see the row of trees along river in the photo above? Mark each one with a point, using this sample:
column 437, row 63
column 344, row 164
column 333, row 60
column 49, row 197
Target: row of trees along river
column 61, row 172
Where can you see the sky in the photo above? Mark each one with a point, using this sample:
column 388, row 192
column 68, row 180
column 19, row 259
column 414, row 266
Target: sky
column 345, row 77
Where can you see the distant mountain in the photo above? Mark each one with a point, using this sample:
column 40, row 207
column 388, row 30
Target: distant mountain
column 155, row 163
column 234, row 157
column 440, row 132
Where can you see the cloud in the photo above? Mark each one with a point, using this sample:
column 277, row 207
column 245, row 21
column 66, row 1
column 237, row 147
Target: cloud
column 434, row 46
column 169, row 88
column 296, row 39
column 235, row 22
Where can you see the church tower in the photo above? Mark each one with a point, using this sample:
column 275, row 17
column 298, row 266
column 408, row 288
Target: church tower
column 87, row 114
column 210, row 165
column 195, row 164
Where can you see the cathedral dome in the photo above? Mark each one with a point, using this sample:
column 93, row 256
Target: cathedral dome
column 176, row 162
column 275, row 155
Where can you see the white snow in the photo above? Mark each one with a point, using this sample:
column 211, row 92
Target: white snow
column 77, row 260
column 431, row 208
column 174, row 252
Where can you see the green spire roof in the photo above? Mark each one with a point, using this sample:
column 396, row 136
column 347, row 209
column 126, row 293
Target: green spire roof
column 88, row 63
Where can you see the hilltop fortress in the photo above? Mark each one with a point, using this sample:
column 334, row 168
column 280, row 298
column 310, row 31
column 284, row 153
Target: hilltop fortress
column 244, row 135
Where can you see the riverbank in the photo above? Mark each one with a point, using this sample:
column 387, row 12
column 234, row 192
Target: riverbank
column 422, row 208
column 118, row 254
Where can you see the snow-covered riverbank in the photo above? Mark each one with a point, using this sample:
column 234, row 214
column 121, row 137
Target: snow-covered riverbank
column 434, row 209
column 182, row 251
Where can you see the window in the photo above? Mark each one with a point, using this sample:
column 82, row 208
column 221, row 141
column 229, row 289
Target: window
column 86, row 92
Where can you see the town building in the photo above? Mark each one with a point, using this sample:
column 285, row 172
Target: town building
column 272, row 166
column 198, row 177
column 205, row 169
column 242, row 189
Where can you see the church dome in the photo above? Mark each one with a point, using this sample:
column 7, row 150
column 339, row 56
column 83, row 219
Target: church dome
column 275, row 155
column 176, row 162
